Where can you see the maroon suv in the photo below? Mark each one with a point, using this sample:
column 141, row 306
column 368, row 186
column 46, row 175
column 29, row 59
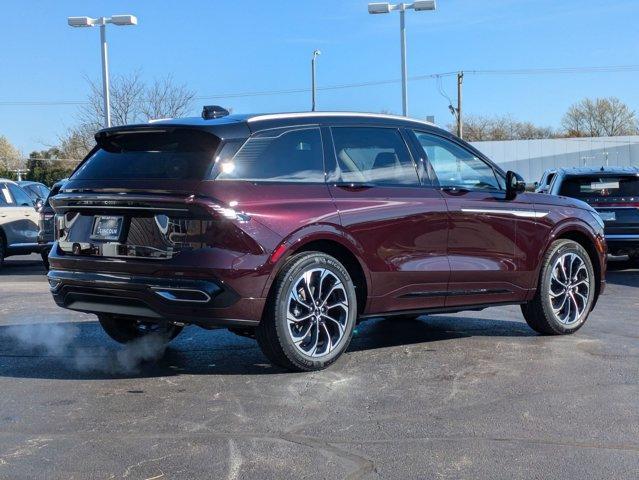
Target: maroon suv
column 292, row 227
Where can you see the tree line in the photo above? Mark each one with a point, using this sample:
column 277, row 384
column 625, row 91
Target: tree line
column 133, row 101
column 599, row 117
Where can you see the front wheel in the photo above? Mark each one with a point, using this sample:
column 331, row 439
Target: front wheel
column 566, row 290
column 311, row 313
column 125, row 330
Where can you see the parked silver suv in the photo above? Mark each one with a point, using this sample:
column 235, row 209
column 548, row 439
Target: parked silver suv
column 18, row 221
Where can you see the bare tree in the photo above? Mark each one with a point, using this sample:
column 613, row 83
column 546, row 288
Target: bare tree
column 132, row 101
column 480, row 128
column 598, row 118
column 165, row 99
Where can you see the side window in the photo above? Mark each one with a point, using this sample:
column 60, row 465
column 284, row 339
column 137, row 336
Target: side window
column 372, row 155
column 5, row 197
column 20, row 196
column 454, row 166
column 279, row 155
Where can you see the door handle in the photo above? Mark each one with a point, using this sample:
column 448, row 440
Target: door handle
column 454, row 190
column 355, row 186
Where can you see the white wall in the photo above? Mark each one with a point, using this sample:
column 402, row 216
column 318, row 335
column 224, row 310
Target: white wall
column 530, row 158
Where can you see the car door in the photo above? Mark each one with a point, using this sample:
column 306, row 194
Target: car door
column 400, row 225
column 482, row 241
column 23, row 225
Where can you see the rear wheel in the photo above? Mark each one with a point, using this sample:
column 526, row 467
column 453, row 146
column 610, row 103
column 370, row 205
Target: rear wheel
column 566, row 290
column 125, row 330
column 310, row 316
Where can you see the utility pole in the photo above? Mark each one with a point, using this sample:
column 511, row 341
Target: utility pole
column 460, row 125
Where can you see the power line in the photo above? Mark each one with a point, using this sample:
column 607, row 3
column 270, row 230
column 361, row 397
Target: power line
column 430, row 76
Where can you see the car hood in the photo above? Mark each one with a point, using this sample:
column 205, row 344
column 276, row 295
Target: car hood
column 560, row 201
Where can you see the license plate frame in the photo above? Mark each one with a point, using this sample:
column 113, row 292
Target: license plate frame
column 107, row 228
column 608, row 216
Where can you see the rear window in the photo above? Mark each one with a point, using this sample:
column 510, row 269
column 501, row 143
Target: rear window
column 600, row 186
column 178, row 154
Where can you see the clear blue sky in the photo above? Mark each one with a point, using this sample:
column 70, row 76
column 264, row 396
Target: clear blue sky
column 224, row 46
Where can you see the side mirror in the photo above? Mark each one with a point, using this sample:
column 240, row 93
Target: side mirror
column 514, row 185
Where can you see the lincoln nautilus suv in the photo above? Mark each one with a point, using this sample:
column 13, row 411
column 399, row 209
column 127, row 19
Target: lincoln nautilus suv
column 291, row 228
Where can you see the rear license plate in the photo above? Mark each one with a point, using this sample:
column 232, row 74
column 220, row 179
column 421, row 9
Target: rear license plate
column 107, row 228
column 608, row 216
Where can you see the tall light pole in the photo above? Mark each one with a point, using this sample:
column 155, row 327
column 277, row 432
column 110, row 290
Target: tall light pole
column 119, row 20
column 418, row 6
column 316, row 53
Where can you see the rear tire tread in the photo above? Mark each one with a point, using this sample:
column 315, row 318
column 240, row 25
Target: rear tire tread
column 268, row 336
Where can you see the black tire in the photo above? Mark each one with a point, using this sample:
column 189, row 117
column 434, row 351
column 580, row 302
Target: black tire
column 273, row 334
column 125, row 330
column 3, row 249
column 45, row 260
column 539, row 312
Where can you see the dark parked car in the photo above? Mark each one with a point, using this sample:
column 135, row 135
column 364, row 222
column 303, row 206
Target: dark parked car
column 614, row 193
column 46, row 230
column 36, row 190
column 291, row 227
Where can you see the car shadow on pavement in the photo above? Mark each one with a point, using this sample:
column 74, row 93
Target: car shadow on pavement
column 623, row 273
column 390, row 332
column 82, row 351
column 23, row 267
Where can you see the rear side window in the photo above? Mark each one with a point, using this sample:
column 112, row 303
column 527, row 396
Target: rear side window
column 372, row 155
column 176, row 154
column 278, row 155
column 600, row 186
column 20, row 196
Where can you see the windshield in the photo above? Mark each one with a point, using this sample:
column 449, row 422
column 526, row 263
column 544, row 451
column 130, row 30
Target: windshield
column 600, row 186
column 178, row 154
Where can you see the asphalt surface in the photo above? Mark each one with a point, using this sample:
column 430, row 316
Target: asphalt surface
column 474, row 396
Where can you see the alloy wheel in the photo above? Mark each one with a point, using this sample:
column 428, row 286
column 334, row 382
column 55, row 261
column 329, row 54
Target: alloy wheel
column 569, row 288
column 317, row 312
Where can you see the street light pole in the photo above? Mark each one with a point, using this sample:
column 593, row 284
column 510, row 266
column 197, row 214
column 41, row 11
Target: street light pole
column 105, row 74
column 119, row 20
column 402, row 36
column 418, row 6
column 316, row 53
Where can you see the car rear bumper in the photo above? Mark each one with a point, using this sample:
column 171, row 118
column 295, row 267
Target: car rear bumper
column 621, row 244
column 207, row 303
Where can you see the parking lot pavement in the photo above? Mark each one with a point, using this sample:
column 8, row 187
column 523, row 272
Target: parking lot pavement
column 473, row 395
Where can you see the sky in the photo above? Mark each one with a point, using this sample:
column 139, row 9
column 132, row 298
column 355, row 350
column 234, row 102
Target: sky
column 223, row 47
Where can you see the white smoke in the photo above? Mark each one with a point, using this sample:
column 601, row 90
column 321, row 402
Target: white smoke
column 58, row 341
